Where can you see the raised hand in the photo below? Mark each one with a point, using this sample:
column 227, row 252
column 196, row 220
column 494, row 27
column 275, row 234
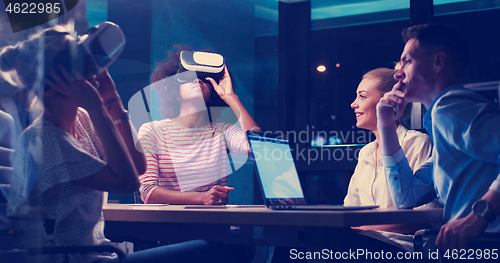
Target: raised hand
column 225, row 86
column 390, row 107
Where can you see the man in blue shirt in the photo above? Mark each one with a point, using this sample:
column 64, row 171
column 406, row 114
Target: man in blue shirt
column 465, row 128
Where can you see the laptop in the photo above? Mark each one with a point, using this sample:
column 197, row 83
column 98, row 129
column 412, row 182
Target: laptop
column 278, row 177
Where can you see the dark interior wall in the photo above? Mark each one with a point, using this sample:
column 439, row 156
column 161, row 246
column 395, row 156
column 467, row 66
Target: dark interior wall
column 266, row 82
column 482, row 30
column 132, row 70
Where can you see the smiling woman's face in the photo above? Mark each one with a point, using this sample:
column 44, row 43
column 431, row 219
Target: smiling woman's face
column 367, row 97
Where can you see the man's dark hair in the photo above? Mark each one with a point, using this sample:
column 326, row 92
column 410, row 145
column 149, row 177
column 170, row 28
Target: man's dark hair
column 433, row 38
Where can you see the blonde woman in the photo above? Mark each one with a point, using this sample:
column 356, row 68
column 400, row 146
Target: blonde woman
column 368, row 184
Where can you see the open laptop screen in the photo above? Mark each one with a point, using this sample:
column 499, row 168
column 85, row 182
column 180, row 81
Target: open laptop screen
column 275, row 169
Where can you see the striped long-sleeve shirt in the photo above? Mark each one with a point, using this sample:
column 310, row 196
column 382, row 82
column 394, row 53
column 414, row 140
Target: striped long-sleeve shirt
column 187, row 160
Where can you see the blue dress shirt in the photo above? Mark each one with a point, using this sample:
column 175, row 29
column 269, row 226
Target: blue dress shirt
column 465, row 130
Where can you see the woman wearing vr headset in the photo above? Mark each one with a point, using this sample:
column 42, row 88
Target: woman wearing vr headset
column 186, row 152
column 80, row 146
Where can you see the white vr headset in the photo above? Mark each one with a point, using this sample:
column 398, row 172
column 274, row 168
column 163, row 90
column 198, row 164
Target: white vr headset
column 94, row 51
column 204, row 64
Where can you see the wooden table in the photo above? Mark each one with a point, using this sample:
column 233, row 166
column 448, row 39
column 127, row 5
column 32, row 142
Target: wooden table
column 253, row 226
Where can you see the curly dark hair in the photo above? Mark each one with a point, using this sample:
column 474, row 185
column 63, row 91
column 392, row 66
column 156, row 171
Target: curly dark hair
column 169, row 88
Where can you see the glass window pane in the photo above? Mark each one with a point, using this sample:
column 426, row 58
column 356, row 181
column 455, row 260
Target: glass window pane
column 340, row 13
column 445, row 7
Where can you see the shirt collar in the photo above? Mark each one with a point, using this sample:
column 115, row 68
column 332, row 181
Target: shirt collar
column 428, row 114
column 401, row 132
